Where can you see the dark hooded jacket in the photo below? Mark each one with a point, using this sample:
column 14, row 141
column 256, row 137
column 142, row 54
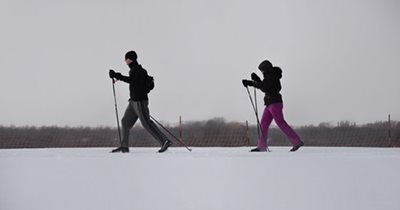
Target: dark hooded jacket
column 137, row 82
column 271, row 85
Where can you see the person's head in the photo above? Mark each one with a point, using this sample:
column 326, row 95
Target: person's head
column 130, row 57
column 265, row 66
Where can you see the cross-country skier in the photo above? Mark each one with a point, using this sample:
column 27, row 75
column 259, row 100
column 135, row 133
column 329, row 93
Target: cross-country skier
column 138, row 104
column 271, row 86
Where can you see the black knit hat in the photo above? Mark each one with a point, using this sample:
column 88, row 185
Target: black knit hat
column 131, row 55
column 265, row 66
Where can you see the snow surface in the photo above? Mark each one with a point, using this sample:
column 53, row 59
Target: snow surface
column 314, row 178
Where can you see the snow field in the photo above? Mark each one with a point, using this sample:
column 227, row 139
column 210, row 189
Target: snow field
column 313, row 178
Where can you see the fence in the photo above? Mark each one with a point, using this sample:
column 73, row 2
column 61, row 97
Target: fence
column 215, row 132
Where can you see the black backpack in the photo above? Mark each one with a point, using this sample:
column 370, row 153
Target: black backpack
column 149, row 83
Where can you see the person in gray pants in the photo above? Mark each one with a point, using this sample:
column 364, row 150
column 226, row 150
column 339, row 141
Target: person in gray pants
column 138, row 104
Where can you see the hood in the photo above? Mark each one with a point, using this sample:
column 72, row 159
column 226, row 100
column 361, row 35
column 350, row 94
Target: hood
column 275, row 72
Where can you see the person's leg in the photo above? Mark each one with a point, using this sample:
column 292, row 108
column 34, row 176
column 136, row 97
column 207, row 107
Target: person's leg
column 141, row 108
column 264, row 126
column 128, row 120
column 277, row 113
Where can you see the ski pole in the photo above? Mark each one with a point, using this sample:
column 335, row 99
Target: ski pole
column 171, row 134
column 254, row 109
column 258, row 122
column 116, row 111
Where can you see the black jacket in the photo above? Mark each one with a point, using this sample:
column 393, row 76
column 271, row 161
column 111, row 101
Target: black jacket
column 271, row 86
column 136, row 79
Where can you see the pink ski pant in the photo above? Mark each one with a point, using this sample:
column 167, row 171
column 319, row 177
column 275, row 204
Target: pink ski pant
column 274, row 111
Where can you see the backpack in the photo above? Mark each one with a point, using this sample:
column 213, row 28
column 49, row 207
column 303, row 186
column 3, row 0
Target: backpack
column 149, row 83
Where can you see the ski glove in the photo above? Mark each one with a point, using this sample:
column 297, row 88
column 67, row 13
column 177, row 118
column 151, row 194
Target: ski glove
column 115, row 75
column 247, row 83
column 255, row 77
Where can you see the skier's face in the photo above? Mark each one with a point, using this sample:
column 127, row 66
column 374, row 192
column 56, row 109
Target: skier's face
column 128, row 61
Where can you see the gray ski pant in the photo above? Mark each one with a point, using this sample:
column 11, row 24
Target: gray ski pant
column 139, row 110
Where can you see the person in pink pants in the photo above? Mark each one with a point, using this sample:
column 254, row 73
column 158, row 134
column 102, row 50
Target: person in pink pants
column 271, row 86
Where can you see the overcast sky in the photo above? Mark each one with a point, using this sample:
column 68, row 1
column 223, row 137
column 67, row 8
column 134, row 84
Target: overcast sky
column 340, row 58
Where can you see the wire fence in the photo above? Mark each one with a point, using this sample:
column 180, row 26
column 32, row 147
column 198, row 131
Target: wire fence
column 211, row 133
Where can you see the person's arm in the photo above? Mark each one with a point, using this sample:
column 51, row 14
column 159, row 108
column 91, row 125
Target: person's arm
column 123, row 78
column 119, row 76
column 257, row 82
column 260, row 85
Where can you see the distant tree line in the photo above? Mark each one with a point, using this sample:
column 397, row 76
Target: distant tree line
column 345, row 133
column 213, row 132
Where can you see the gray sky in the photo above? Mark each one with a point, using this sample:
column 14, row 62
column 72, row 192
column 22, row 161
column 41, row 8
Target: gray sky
column 339, row 58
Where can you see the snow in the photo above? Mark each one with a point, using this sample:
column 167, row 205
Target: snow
column 314, row 178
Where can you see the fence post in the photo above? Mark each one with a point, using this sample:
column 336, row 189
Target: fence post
column 390, row 132
column 247, row 134
column 180, row 127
